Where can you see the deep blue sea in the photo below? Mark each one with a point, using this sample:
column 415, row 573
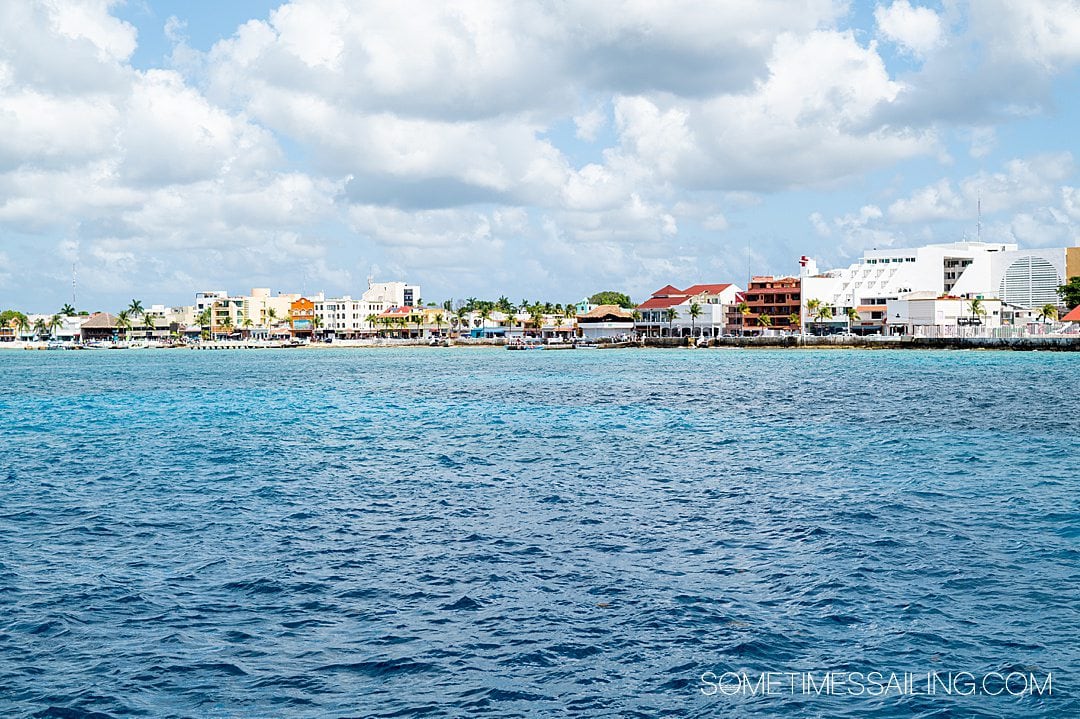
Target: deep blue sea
column 474, row 532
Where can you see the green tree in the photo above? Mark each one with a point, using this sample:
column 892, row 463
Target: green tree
column 744, row 312
column 812, row 307
column 227, row 324
column 67, row 311
column 977, row 309
column 485, row 315
column 794, row 320
column 611, row 297
column 1048, row 313
column 536, row 316
column 439, row 321
column 670, row 314
column 1070, row 292
column 271, row 316
column 503, row 305
column 12, row 319
column 460, row 315
column 204, row 320
column 695, row 312
column 55, row 323
column 852, row 316
column 123, row 322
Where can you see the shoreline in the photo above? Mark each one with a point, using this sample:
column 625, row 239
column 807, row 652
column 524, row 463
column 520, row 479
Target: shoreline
column 795, row 342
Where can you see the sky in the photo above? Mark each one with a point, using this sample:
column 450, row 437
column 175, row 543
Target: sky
column 541, row 150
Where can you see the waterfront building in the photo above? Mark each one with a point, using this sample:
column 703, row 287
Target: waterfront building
column 712, row 301
column 604, row 321
column 99, row 326
column 771, row 302
column 925, row 314
column 1020, row 278
column 181, row 316
column 341, row 317
column 254, row 313
column 381, row 296
column 302, row 318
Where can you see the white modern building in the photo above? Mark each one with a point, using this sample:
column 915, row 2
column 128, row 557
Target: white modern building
column 342, row 316
column 381, row 296
column 1022, row 278
column 928, row 314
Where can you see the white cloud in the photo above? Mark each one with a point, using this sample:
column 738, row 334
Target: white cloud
column 589, row 123
column 916, row 29
column 1022, row 182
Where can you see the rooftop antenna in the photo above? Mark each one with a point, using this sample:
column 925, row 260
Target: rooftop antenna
column 748, row 275
column 978, row 222
column 73, row 284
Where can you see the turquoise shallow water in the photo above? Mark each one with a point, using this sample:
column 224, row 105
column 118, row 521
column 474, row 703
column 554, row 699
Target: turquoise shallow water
column 426, row 532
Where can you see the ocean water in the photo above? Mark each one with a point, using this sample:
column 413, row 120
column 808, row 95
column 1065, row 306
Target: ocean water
column 474, row 532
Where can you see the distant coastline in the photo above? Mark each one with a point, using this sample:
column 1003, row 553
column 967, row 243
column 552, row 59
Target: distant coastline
column 1029, row 344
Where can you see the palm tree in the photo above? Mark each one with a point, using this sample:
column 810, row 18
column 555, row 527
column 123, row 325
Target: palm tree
column 812, row 307
column 744, row 311
column 55, row 323
column 485, row 315
column 41, row 327
column 22, row 323
column 316, row 325
column 418, row 320
column 670, row 314
column 227, row 324
column 204, row 320
column 852, row 316
column 123, row 321
column 695, row 312
column 67, row 311
column 536, row 316
column 271, row 316
column 439, row 321
column 461, row 314
column 1048, row 313
column 764, row 320
column 135, row 308
column 823, row 313
column 794, row 320
column 371, row 319
column 247, row 324
column 977, row 309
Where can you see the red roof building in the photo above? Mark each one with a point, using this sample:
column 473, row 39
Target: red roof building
column 710, row 298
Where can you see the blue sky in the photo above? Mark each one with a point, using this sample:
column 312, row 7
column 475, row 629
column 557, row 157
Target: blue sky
column 486, row 148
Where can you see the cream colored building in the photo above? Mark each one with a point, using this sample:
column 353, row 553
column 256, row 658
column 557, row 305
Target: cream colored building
column 261, row 307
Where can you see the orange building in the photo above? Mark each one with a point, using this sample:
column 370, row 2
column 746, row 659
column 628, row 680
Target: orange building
column 302, row 317
column 776, row 298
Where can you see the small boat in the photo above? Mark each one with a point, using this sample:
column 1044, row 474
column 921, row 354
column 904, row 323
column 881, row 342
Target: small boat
column 526, row 343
